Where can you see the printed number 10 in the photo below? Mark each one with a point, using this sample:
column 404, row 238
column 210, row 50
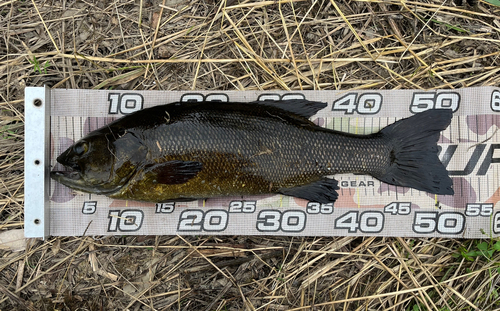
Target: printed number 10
column 125, row 220
column 125, row 103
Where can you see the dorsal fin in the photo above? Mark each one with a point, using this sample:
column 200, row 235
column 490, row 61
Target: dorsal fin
column 301, row 107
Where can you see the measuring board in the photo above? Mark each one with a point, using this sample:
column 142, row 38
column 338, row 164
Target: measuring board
column 469, row 148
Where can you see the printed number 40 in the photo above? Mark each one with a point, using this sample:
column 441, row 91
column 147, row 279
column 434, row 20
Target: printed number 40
column 368, row 103
column 366, row 222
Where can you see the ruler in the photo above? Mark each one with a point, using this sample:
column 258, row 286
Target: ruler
column 469, row 148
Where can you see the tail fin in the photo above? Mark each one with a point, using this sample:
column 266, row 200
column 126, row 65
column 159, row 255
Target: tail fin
column 414, row 160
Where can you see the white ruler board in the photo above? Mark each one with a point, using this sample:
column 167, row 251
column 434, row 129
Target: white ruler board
column 469, row 148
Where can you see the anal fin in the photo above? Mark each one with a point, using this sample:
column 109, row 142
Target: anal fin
column 321, row 191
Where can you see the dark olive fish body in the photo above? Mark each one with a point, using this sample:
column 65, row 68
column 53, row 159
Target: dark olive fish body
column 198, row 150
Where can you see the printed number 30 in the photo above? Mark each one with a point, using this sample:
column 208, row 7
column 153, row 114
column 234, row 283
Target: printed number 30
column 273, row 220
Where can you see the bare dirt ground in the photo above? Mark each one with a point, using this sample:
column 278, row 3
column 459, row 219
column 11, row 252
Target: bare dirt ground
column 209, row 45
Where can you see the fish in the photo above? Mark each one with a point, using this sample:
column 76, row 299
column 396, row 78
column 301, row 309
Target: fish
column 197, row 150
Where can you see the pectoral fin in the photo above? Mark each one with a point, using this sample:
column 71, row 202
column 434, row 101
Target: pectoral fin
column 173, row 172
column 321, row 191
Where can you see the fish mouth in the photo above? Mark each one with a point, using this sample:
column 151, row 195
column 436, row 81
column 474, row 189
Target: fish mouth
column 62, row 176
column 74, row 180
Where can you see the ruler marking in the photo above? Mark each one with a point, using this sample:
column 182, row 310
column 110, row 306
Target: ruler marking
column 75, row 127
column 468, row 130
column 477, row 130
column 496, row 180
column 74, row 130
column 451, row 129
column 487, row 190
column 470, row 188
column 478, row 189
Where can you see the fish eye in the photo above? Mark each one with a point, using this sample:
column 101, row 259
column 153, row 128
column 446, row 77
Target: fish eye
column 80, row 148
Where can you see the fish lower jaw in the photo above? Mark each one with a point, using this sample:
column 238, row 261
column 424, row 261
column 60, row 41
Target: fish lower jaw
column 74, row 180
column 61, row 175
column 70, row 179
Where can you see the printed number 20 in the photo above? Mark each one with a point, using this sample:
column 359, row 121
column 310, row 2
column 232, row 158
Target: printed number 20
column 198, row 220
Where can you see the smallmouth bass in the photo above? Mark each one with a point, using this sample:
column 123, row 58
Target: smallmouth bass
column 198, row 150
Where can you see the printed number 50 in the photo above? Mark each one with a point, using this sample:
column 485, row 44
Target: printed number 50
column 444, row 223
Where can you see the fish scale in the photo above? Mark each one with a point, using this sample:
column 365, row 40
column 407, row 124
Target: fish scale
column 281, row 157
column 196, row 150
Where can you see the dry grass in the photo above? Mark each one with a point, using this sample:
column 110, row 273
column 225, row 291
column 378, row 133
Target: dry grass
column 181, row 45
